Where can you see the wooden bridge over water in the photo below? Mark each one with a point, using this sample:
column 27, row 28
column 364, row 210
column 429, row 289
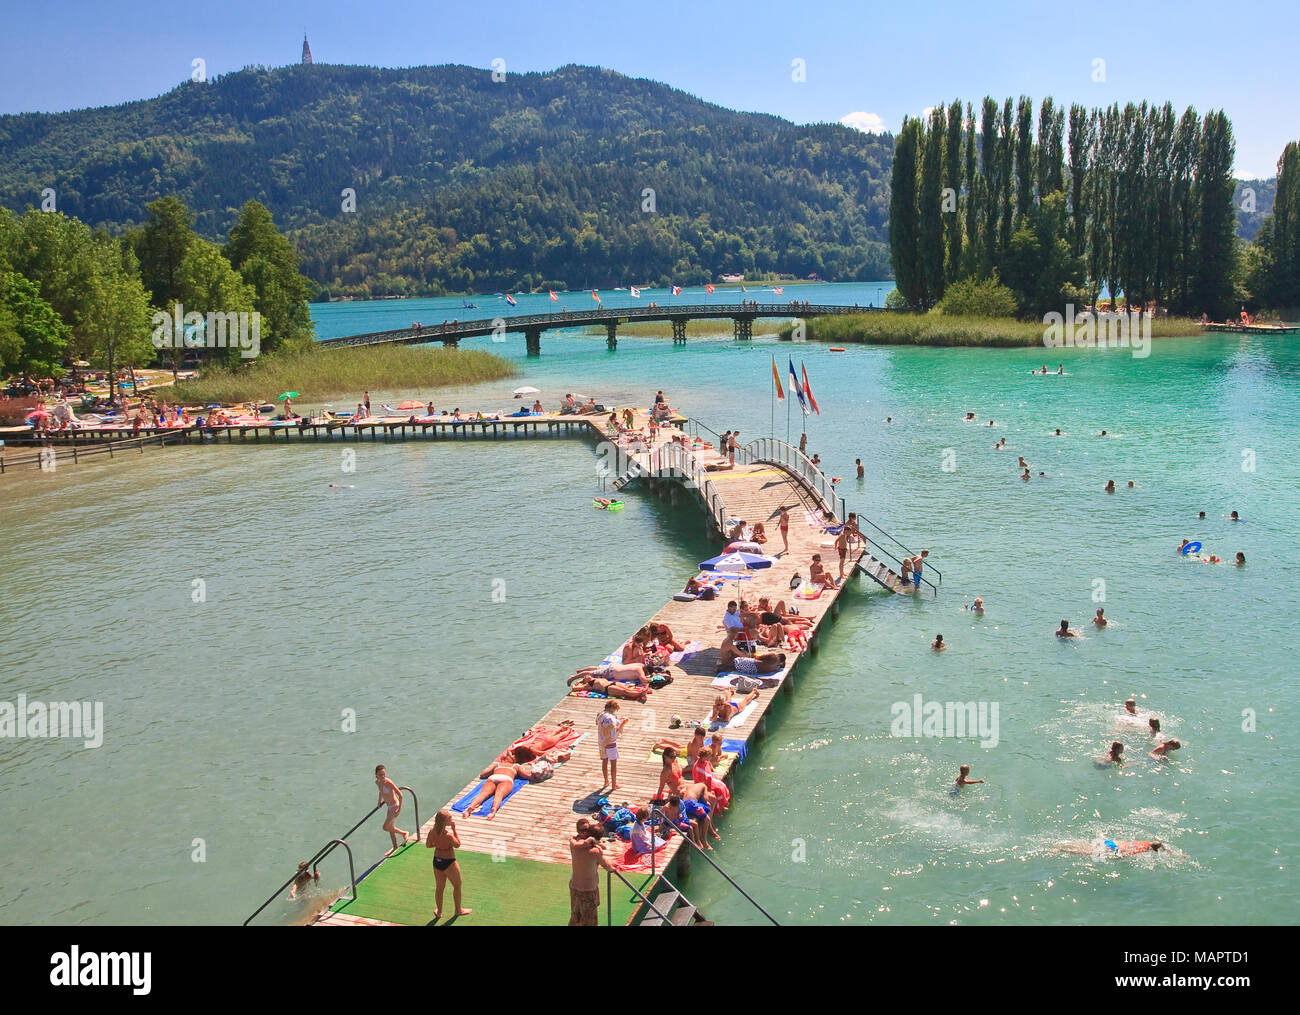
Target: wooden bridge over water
column 742, row 316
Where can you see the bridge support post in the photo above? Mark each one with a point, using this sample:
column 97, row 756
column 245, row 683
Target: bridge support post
column 744, row 328
column 533, row 341
column 679, row 331
column 611, row 335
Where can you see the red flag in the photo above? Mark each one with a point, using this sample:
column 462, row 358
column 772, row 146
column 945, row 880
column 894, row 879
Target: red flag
column 595, row 295
column 807, row 390
column 776, row 379
column 677, row 290
column 709, row 289
column 554, row 298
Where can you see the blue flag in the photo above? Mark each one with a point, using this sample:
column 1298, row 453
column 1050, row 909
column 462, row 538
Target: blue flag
column 794, row 383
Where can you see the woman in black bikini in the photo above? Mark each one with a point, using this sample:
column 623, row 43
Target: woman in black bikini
column 443, row 840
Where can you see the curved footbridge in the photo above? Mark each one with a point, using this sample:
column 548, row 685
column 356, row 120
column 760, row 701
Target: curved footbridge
column 517, row 863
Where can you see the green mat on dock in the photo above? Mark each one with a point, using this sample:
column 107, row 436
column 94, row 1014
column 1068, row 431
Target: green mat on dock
column 510, row 893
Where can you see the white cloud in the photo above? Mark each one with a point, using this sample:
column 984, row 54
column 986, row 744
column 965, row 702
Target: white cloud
column 868, row 123
column 925, row 113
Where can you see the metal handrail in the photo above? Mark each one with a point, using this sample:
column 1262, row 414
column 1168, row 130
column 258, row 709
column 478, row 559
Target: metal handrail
column 656, row 811
column 314, row 864
column 333, row 844
column 609, row 898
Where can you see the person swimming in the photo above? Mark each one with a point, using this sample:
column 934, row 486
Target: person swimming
column 1130, row 707
column 1066, row 631
column 1234, row 517
column 1025, row 474
column 1201, row 515
column 1100, row 619
column 938, row 644
column 1110, row 486
column 962, row 773
column 1114, row 756
column 1102, row 434
column 977, row 606
column 1153, row 724
column 1241, row 559
column 1162, row 752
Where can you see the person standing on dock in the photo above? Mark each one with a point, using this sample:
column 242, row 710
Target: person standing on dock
column 784, row 525
column 584, row 888
column 392, row 796
column 607, row 729
column 366, row 403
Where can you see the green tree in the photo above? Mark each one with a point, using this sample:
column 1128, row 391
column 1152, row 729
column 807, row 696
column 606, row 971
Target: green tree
column 904, row 221
column 930, row 210
column 1024, row 159
column 206, row 283
column 32, row 335
column 120, row 320
column 1216, row 218
column 952, row 179
column 161, row 247
column 266, row 259
column 1282, row 242
column 1081, row 139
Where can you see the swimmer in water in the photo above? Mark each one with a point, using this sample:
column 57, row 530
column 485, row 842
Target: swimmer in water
column 1201, row 515
column 1060, row 368
column 1131, row 707
column 1233, row 517
column 1066, row 631
column 1184, row 545
column 1023, row 463
column 1153, row 725
column 977, row 606
column 1114, row 756
column 1042, row 475
column 1102, row 434
column 1241, row 559
column 1025, row 475
column 1130, row 484
column 889, row 419
column 1162, row 752
column 1108, row 846
column 938, row 644
column 1000, row 444
column 1110, row 486
column 963, row 781
column 970, row 415
column 1100, row 619
column 1058, row 433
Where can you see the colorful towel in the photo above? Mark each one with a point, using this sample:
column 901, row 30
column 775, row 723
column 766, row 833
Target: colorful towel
column 541, row 739
column 486, row 809
column 737, row 747
column 631, row 860
column 689, row 650
column 739, row 719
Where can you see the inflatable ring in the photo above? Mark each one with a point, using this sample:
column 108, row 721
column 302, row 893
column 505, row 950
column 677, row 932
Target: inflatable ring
column 1191, row 548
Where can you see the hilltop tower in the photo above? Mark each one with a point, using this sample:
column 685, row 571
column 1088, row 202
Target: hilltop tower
column 306, row 49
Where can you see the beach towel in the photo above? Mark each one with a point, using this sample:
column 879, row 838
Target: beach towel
column 587, row 694
column 737, row 747
column 815, row 519
column 739, row 719
column 631, row 860
column 541, row 739
column 687, row 651
column 727, row 680
column 486, row 808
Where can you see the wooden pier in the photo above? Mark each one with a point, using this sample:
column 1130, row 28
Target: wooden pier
column 534, row 825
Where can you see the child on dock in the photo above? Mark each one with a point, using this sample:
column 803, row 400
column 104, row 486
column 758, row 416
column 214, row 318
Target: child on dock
column 607, row 729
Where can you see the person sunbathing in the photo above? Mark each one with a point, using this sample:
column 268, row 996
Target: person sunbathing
column 499, row 780
column 724, row 710
column 782, row 613
column 610, row 688
column 818, row 575
column 759, row 534
column 634, row 650
column 664, row 636
column 616, row 671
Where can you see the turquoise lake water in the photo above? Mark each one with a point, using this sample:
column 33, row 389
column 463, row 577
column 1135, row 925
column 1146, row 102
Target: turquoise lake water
column 224, row 717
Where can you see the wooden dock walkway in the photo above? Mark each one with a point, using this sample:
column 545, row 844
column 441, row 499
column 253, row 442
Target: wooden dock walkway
column 535, row 823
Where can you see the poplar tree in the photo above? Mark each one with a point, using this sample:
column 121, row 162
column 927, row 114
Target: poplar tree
column 930, row 210
column 904, row 227
column 1216, row 218
column 952, row 178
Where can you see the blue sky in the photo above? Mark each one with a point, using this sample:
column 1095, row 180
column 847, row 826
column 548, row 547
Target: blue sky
column 879, row 60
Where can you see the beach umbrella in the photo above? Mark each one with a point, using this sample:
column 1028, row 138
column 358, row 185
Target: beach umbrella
column 287, row 394
column 736, row 563
column 520, row 392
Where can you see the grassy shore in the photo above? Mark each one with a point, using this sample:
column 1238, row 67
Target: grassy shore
column 318, row 373
column 942, row 329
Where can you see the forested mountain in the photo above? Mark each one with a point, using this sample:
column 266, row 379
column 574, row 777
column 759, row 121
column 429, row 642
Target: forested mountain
column 465, row 183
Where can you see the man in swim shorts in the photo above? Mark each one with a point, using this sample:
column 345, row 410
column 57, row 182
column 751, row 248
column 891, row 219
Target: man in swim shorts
column 584, row 888
column 1162, row 752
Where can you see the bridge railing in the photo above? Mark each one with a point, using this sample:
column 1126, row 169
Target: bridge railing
column 675, row 460
column 604, row 315
column 769, row 449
